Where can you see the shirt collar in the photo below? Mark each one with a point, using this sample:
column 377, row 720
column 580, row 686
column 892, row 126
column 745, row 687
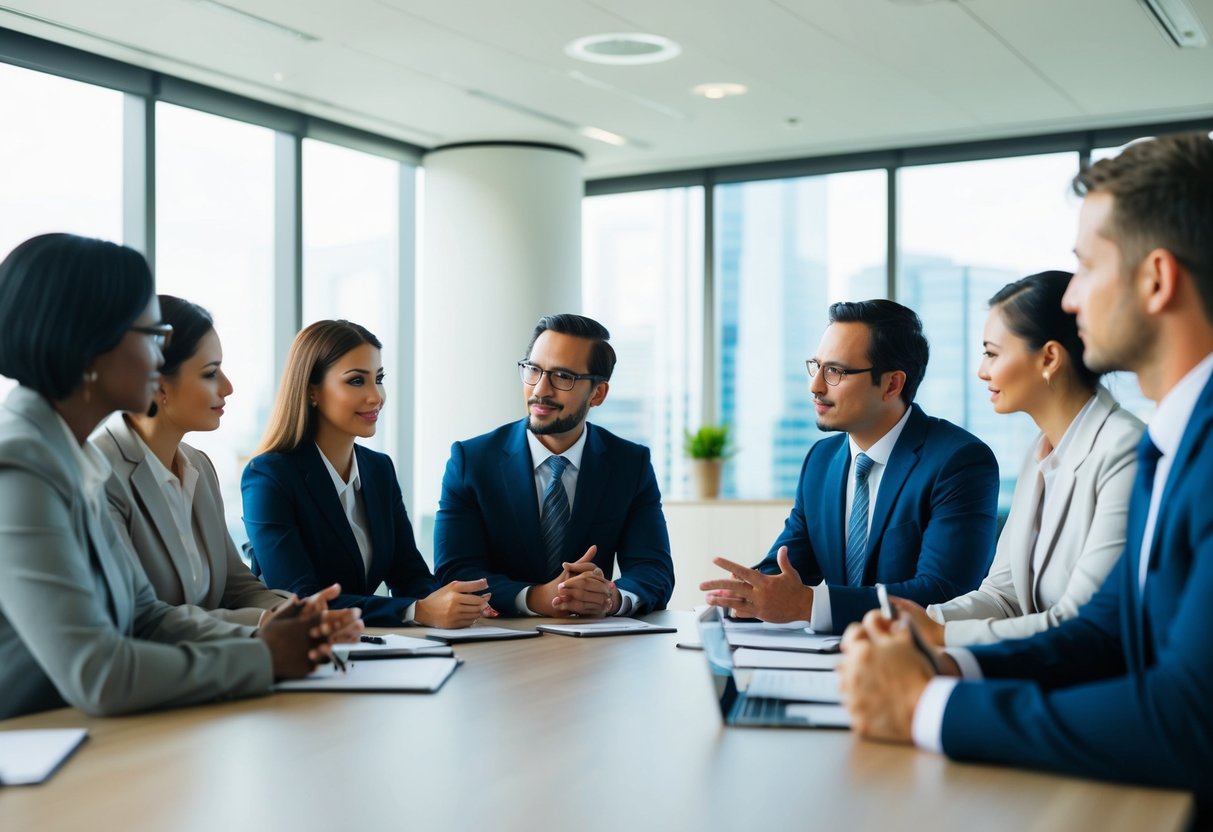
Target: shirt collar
column 338, row 483
column 1171, row 418
column 540, row 454
column 163, row 475
column 882, row 449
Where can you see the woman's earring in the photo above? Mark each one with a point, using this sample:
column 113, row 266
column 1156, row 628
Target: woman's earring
column 1048, row 380
column 89, row 379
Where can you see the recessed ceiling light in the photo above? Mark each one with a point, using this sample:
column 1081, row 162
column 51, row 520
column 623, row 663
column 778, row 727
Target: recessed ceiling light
column 719, row 90
column 605, row 136
column 1178, row 22
column 623, row 48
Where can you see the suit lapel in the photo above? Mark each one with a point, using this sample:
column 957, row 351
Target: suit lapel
column 211, row 533
column 376, row 499
column 592, row 478
column 834, row 522
column 901, row 462
column 319, row 485
column 517, row 480
column 1028, row 496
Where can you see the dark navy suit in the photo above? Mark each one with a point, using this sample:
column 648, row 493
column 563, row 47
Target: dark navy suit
column 1125, row 690
column 302, row 541
column 488, row 517
column 933, row 524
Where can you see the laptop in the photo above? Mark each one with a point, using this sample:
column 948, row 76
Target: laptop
column 738, row 708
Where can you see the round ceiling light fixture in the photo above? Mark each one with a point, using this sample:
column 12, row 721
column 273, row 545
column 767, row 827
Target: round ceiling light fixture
column 623, row 48
column 716, row 91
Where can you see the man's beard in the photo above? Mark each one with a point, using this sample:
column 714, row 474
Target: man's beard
column 561, row 424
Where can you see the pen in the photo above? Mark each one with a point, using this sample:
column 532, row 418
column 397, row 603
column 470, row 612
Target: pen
column 890, row 612
column 338, row 662
column 373, row 639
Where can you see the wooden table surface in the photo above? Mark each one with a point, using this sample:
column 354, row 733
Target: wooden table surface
column 618, row 733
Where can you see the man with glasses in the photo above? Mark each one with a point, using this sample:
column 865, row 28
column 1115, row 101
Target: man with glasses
column 543, row 506
column 898, row 497
column 1122, row 691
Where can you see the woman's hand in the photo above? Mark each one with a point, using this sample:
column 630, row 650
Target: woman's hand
column 928, row 628
column 454, row 605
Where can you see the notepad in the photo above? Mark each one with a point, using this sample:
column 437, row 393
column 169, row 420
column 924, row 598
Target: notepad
column 606, row 627
column 417, row 675
column 30, row 757
column 393, row 647
column 795, row 686
column 795, row 640
column 479, row 634
column 785, row 659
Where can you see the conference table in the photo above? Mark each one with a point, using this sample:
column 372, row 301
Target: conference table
column 611, row 733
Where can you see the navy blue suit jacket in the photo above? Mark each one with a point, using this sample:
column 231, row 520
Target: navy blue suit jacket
column 1123, row 691
column 302, row 541
column 488, row 517
column 932, row 529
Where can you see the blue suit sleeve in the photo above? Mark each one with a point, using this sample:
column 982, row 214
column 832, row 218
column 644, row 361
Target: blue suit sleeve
column 461, row 537
column 273, row 519
column 645, row 566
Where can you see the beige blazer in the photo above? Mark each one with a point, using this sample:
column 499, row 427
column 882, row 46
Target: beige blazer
column 1084, row 538
column 143, row 516
column 79, row 622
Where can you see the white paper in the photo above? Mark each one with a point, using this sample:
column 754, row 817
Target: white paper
column 797, row 640
column 821, row 716
column 605, row 625
column 424, row 675
column 28, row 757
column 785, row 659
column 418, row 646
column 795, row 685
column 474, row 633
column 764, row 626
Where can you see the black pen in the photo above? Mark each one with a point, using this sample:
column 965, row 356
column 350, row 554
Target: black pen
column 890, row 612
column 365, row 639
column 338, row 662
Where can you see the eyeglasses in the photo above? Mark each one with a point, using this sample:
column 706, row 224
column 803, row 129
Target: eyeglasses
column 833, row 375
column 161, row 334
column 560, row 379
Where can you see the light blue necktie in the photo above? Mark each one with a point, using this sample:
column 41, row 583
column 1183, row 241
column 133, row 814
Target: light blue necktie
column 555, row 516
column 857, row 529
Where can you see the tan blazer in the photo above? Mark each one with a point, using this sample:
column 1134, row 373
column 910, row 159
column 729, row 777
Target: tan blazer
column 142, row 514
column 79, row 622
column 1084, row 538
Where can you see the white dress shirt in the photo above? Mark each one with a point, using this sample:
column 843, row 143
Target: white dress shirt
column 822, row 619
column 179, row 495
column 1166, row 432
column 350, row 495
column 543, row 477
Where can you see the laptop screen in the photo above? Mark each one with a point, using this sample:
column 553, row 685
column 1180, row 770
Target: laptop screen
column 720, row 658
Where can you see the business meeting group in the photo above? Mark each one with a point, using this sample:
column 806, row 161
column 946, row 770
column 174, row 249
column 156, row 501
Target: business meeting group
column 1075, row 640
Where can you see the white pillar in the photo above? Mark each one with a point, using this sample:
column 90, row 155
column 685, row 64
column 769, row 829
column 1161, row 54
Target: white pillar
column 501, row 248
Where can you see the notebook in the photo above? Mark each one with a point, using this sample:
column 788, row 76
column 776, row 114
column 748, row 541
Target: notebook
column 738, row 707
column 413, row 675
column 30, row 757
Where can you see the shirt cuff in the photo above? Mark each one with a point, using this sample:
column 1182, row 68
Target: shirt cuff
column 520, row 602
column 822, row 620
column 410, row 614
column 927, row 727
column 628, row 601
column 970, row 670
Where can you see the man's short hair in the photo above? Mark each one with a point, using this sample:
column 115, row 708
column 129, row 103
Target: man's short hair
column 602, row 354
column 1162, row 191
column 895, row 339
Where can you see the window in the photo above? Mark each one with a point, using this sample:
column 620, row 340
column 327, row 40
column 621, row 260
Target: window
column 215, row 247
column 966, row 230
column 350, row 221
column 642, row 267
column 785, row 250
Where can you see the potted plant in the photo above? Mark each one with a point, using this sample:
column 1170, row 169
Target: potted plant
column 708, row 448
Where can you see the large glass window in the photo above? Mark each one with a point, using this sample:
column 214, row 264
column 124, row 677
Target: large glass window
column 350, row 221
column 215, row 247
column 60, row 160
column 966, row 230
column 642, row 267
column 786, row 249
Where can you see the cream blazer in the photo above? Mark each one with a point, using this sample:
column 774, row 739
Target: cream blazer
column 79, row 622
column 1084, row 538
column 142, row 514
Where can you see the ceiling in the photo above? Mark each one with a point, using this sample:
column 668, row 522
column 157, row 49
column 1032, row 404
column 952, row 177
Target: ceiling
column 824, row 76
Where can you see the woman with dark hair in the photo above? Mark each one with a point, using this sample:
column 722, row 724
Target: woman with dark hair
column 320, row 508
column 1067, row 522
column 80, row 332
column 164, row 496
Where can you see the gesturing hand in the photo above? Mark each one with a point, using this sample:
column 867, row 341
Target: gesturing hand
column 750, row 593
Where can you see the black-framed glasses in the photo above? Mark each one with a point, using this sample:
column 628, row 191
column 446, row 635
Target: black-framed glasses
column 161, row 334
column 833, row 375
column 560, row 379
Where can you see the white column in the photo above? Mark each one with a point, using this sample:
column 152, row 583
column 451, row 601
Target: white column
column 501, row 247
